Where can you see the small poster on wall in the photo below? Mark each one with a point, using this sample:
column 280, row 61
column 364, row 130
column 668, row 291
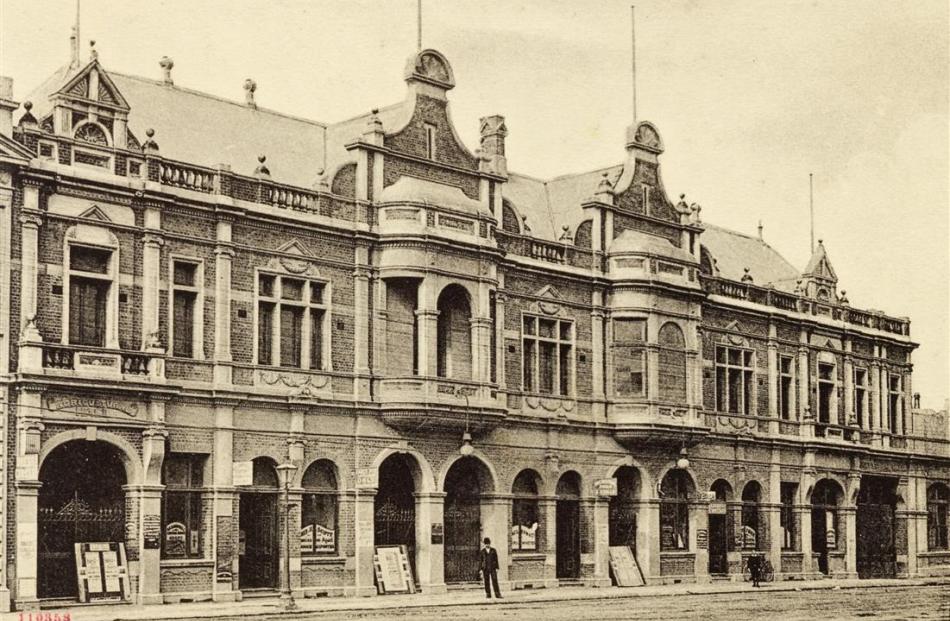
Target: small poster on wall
column 393, row 573
column 102, row 572
column 175, row 540
column 306, row 539
column 324, row 540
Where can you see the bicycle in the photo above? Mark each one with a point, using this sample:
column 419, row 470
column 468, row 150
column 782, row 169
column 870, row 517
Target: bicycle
column 767, row 572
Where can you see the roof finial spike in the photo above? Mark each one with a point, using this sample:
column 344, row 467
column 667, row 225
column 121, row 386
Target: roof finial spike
column 811, row 210
column 760, row 229
column 419, row 25
column 74, row 42
column 633, row 60
column 93, row 54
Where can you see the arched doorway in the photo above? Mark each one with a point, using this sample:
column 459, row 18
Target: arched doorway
column 876, row 552
column 81, row 500
column 465, row 482
column 394, row 509
column 622, row 520
column 752, row 527
column 568, row 515
column 719, row 527
column 257, row 548
column 824, row 521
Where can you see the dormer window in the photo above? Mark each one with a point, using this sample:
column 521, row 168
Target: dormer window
column 430, row 141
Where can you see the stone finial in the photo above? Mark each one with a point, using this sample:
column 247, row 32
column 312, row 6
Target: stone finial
column 27, row 120
column 843, row 298
column 374, row 133
column 746, row 277
column 93, row 52
column 493, row 132
column 566, row 236
column 150, row 144
column 250, row 86
column 167, row 64
column 524, row 224
column 760, row 229
column 799, row 289
column 322, row 185
column 262, row 170
column 695, row 210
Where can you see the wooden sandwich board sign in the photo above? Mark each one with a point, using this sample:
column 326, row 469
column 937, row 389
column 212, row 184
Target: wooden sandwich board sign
column 102, row 572
column 393, row 572
column 624, row 566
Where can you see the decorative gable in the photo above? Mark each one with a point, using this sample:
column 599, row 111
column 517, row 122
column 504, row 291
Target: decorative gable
column 94, row 213
column 92, row 83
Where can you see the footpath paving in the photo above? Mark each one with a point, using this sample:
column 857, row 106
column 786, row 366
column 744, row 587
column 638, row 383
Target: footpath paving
column 271, row 606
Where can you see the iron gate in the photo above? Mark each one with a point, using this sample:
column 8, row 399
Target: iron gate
column 876, row 550
column 462, row 530
column 568, row 552
column 65, row 521
column 622, row 523
column 258, row 558
column 394, row 524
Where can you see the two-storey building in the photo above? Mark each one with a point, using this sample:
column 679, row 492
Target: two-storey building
column 194, row 291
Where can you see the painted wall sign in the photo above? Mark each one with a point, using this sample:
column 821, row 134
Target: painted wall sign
column 92, row 407
column 606, row 487
column 367, row 478
column 702, row 538
column 152, row 532
column 242, row 472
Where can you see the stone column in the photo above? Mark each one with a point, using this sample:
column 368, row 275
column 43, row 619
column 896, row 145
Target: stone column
column 364, row 526
column 427, row 318
column 30, row 222
column 699, row 519
column 430, row 554
column 874, row 399
column 151, row 277
column 149, row 496
column 501, row 378
column 773, row 381
column 648, row 539
column 224, row 254
column 849, row 415
column 27, row 484
column 361, row 339
column 6, row 233
column 481, row 328
column 597, row 347
column 803, row 511
column 379, row 325
column 848, row 517
column 904, row 533
column 224, row 527
column 773, row 511
column 547, row 506
column 600, row 509
column 805, row 415
column 495, row 525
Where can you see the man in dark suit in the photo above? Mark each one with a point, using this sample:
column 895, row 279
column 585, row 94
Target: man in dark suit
column 488, row 567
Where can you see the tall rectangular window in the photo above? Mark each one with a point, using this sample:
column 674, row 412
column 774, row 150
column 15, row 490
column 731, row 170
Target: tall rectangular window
column 90, row 284
column 787, row 515
column 734, row 383
column 861, row 390
column 786, row 384
column 181, row 505
column 629, row 357
column 291, row 322
column 826, row 391
column 430, row 141
column 894, row 402
column 548, row 349
column 186, row 311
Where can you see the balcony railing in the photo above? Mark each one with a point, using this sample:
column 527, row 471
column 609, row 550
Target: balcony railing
column 91, row 361
column 769, row 296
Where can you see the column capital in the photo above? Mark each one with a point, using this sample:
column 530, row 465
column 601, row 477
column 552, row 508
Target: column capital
column 31, row 220
column 153, row 239
column 224, row 251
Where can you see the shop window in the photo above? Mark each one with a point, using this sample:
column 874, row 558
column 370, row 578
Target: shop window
column 629, row 357
column 181, row 508
column 187, row 309
column 318, row 526
column 787, row 516
column 751, row 527
column 786, row 386
column 938, row 529
column 860, row 397
column 90, row 289
column 548, row 350
column 292, row 315
column 734, row 372
column 824, row 503
column 524, row 512
column 672, row 363
column 675, row 490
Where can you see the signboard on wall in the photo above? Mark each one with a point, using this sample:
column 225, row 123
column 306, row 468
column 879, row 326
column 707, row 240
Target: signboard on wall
column 175, row 539
column 242, row 472
column 438, row 534
column 393, row 573
column 367, row 478
column 606, row 488
column 102, row 572
column 324, row 540
column 152, row 532
column 702, row 538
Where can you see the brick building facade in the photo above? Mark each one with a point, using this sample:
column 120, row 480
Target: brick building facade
column 444, row 349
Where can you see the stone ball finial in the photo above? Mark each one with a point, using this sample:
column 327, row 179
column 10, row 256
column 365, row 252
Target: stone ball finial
column 261, row 169
column 262, row 158
column 375, row 111
column 150, row 144
column 149, row 132
column 27, row 105
column 166, row 63
column 93, row 53
column 250, row 85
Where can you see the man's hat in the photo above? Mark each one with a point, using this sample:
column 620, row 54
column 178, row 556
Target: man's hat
column 487, row 541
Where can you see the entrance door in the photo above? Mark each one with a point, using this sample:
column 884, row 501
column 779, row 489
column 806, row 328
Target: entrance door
column 81, row 501
column 876, row 553
column 258, row 542
column 819, row 539
column 394, row 510
column 718, row 561
column 568, row 539
column 463, row 519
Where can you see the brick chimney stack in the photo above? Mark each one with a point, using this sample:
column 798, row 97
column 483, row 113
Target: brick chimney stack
column 493, row 132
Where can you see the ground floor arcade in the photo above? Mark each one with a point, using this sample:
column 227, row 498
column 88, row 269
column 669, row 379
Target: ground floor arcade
column 202, row 514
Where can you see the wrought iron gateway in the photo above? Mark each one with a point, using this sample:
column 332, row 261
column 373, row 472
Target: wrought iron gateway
column 81, row 500
column 877, row 504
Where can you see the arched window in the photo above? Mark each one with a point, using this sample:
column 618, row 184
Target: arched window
column 90, row 132
column 583, row 238
column 675, row 491
column 318, row 515
column 938, row 499
column 751, row 527
column 524, row 512
column 454, row 334
column 672, row 363
column 510, row 221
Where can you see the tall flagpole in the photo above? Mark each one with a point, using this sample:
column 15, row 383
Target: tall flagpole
column 633, row 58
column 418, row 25
column 811, row 210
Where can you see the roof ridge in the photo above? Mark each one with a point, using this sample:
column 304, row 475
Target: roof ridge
column 365, row 114
column 565, row 175
column 219, row 98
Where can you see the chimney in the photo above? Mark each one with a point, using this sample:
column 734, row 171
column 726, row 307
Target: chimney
column 167, row 64
column 493, row 131
column 7, row 106
column 249, row 87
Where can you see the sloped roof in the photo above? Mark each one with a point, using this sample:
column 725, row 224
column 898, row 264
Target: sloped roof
column 735, row 251
column 819, row 265
column 632, row 240
column 207, row 130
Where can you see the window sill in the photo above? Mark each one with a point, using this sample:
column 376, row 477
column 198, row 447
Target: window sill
column 186, row 562
column 935, row 553
column 528, row 556
column 682, row 553
column 322, row 560
column 792, row 553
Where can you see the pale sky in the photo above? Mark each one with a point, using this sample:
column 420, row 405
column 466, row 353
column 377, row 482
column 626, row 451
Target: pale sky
column 749, row 97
